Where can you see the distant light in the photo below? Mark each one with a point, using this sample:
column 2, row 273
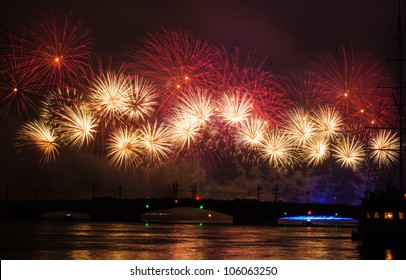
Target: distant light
column 201, row 207
column 177, row 86
column 209, row 215
column 147, row 206
column 68, row 215
column 372, row 122
column 285, row 213
column 201, row 224
column 197, row 197
column 57, row 59
column 176, row 201
column 362, row 111
column 15, row 89
column 336, row 214
column 309, row 212
column 186, row 78
column 146, row 225
column 404, row 195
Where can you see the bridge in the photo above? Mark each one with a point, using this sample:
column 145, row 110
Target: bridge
column 108, row 209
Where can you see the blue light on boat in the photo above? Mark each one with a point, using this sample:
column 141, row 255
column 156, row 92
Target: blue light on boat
column 309, row 218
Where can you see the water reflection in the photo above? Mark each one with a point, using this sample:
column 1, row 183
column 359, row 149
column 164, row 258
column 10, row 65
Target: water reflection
column 389, row 255
column 121, row 241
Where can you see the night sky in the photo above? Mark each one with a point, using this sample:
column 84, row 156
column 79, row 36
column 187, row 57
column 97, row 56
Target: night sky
column 289, row 34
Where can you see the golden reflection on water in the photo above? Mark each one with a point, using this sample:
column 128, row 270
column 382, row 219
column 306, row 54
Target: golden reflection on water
column 132, row 241
column 80, row 255
column 388, row 255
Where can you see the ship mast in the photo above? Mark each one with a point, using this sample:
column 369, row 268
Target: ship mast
column 399, row 100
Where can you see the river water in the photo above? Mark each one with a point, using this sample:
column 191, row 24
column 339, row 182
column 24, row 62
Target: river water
column 74, row 240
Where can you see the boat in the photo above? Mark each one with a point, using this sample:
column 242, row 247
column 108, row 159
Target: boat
column 186, row 215
column 383, row 215
column 318, row 221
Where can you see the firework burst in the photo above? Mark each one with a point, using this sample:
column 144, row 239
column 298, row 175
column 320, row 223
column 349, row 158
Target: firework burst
column 123, row 148
column 142, row 99
column 184, row 129
column 110, row 95
column 78, row 125
column 18, row 79
column 351, row 78
column 235, row 107
column 277, row 149
column 316, row 151
column 155, row 140
column 60, row 48
column 197, row 104
column 174, row 59
column 37, row 134
column 349, row 153
column 252, row 132
column 300, row 126
column 385, row 147
column 327, row 122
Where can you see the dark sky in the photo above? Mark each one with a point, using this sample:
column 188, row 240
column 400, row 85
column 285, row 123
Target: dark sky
column 289, row 33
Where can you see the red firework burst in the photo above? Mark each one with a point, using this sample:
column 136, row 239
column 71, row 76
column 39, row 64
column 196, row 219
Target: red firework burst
column 174, row 60
column 60, row 49
column 18, row 79
column 351, row 79
column 263, row 87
